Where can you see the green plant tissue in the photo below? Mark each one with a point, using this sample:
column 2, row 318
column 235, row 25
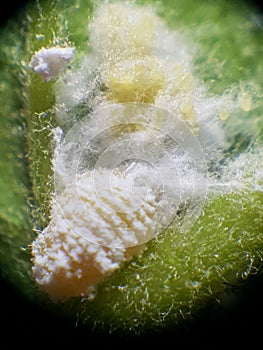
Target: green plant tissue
column 179, row 273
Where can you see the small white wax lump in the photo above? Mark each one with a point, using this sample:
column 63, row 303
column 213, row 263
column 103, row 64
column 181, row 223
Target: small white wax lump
column 49, row 62
column 92, row 231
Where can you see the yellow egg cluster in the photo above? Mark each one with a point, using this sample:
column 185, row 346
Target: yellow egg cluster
column 126, row 40
column 135, row 80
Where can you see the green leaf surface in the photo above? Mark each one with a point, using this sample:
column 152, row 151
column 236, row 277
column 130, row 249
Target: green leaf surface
column 15, row 223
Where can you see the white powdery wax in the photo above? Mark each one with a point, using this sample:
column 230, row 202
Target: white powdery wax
column 121, row 30
column 139, row 59
column 92, row 232
column 49, row 62
column 93, row 228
